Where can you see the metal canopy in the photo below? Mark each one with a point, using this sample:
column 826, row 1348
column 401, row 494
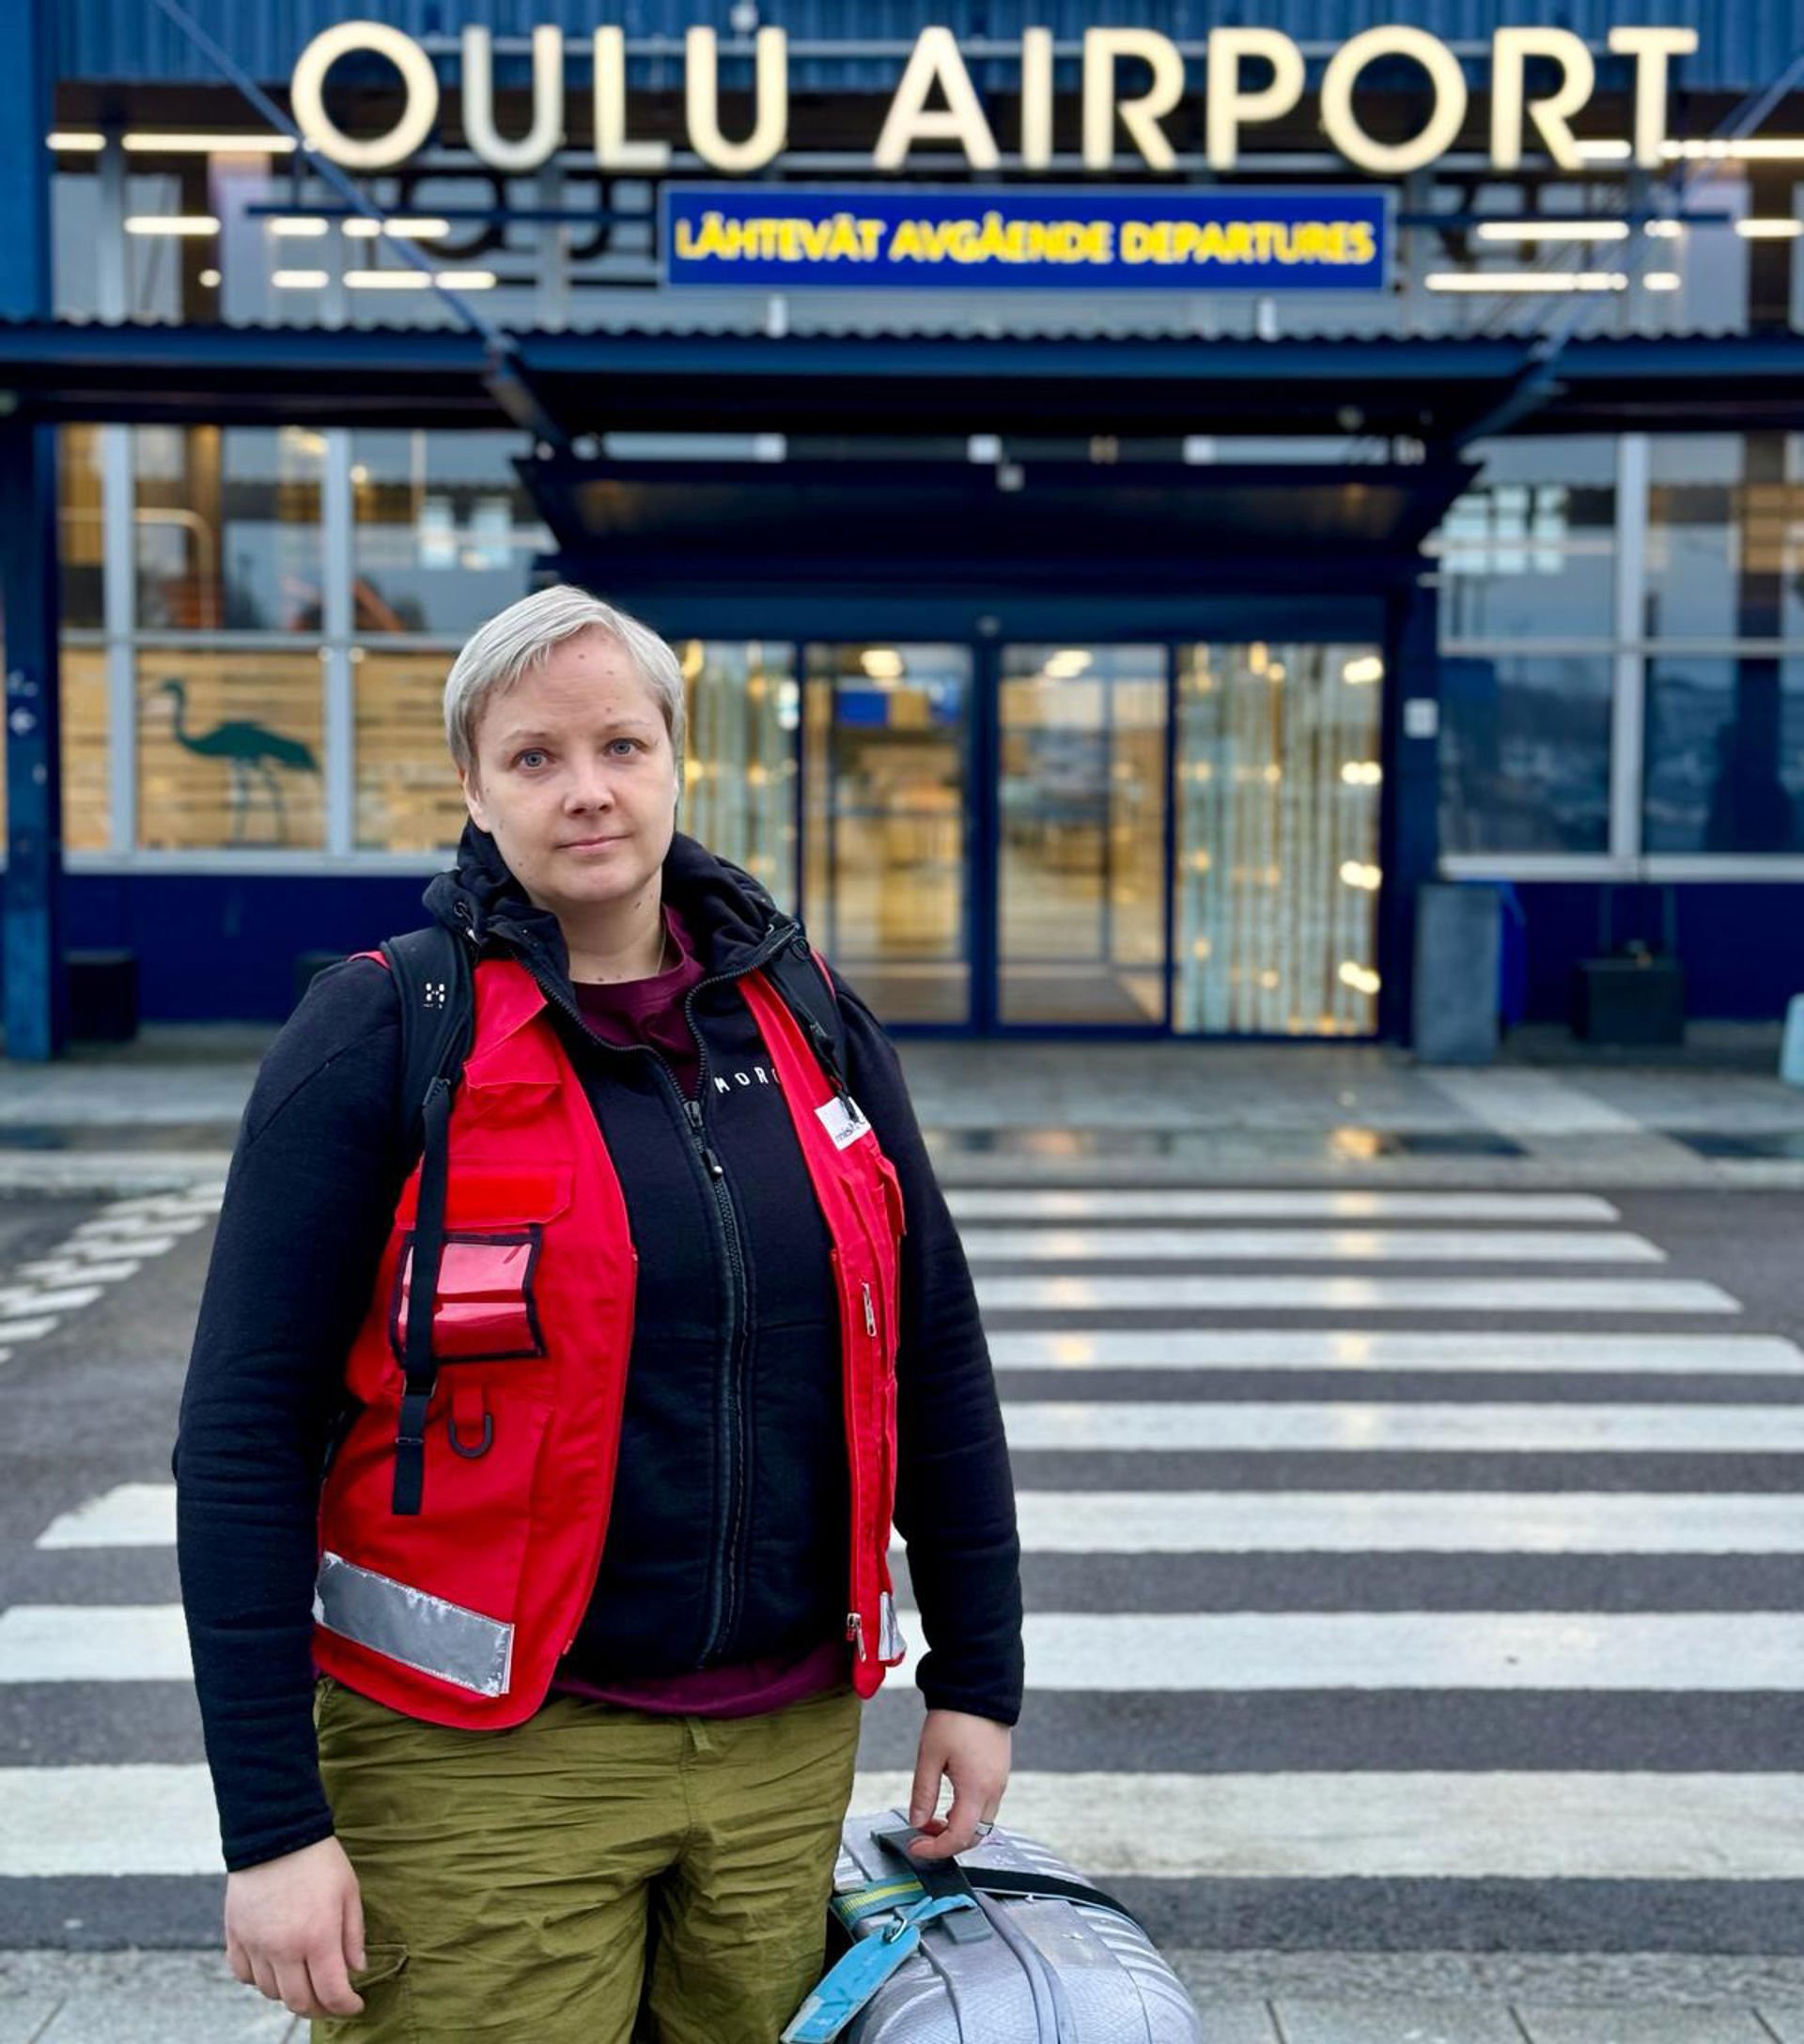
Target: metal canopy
column 1075, row 523
column 888, row 384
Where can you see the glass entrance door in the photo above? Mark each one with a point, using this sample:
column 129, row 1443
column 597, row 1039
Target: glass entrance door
column 1081, row 836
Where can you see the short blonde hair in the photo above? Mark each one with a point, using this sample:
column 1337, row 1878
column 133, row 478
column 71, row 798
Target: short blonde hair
column 516, row 640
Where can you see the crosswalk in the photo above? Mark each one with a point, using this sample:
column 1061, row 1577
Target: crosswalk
column 1396, row 1561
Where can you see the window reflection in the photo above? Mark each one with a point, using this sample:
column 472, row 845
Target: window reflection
column 743, row 707
column 228, row 526
column 1725, row 541
column 408, row 796
column 445, row 533
column 1276, row 884
column 229, row 749
column 80, row 529
column 1725, row 753
column 1527, row 551
column 1524, row 752
column 885, row 741
column 87, row 794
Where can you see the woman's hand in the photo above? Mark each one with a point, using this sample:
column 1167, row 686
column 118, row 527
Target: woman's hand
column 973, row 1754
column 294, row 1927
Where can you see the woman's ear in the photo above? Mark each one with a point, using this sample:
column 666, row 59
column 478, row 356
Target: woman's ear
column 473, row 797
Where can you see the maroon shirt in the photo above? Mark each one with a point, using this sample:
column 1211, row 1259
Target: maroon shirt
column 651, row 1012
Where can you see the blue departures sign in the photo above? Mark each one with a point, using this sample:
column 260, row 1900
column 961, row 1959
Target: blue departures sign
column 1008, row 238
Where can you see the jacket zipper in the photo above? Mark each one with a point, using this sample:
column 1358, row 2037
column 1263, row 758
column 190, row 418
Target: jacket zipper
column 723, row 1608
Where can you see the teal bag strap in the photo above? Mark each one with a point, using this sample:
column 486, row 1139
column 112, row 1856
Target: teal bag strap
column 858, row 1973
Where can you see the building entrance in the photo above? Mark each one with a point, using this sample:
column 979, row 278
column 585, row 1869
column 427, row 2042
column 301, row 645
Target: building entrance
column 1111, row 838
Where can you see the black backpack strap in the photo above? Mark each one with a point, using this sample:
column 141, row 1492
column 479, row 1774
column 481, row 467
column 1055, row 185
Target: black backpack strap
column 435, row 979
column 799, row 976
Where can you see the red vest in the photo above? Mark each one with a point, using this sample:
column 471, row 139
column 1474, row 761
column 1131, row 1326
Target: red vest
column 458, row 1613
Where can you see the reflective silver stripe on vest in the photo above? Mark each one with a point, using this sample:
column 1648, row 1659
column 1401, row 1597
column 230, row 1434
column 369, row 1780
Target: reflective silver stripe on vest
column 889, row 1641
column 412, row 1626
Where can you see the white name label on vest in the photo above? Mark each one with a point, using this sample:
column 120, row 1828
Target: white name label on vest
column 843, row 1120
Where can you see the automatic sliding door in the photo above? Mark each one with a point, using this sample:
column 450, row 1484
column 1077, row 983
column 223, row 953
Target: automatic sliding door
column 1081, row 852
column 886, row 733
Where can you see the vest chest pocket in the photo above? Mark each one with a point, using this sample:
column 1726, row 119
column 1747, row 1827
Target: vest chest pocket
column 485, row 1307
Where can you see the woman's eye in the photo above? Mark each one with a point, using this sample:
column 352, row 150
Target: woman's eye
column 527, row 757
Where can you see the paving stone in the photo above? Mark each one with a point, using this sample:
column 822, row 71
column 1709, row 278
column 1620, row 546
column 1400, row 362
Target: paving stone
column 1553, row 2022
column 1349, row 2021
column 1785, row 2019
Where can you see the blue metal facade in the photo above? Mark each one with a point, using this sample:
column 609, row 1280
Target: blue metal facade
column 1742, row 43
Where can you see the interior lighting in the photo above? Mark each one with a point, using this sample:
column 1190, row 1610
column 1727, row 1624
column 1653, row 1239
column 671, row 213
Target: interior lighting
column 1603, row 149
column 74, row 141
column 1750, row 149
column 1362, row 979
column 1066, row 663
column 1361, row 773
column 143, row 143
column 1365, row 668
column 1355, row 873
column 466, row 280
column 208, row 280
column 190, row 224
column 1553, row 230
column 1769, row 230
column 1527, row 280
column 1661, row 280
column 300, row 279
column 299, row 226
column 426, row 228
column 1666, row 230
column 417, row 280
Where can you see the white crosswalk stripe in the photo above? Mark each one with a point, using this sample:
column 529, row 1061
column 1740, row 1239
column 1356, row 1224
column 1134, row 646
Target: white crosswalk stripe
column 1445, row 1583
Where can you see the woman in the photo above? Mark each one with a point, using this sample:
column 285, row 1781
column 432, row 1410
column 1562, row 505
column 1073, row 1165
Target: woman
column 531, row 1636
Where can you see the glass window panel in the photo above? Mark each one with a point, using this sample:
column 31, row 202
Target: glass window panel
column 446, row 535
column 81, row 535
column 227, row 522
column 1277, row 876
column 886, row 737
column 1725, row 541
column 1080, row 893
column 1725, row 753
column 408, row 796
column 87, row 796
column 1528, row 552
column 229, row 749
column 1524, row 752
column 741, row 706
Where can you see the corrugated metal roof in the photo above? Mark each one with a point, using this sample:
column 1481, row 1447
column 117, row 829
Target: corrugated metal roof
column 1743, row 43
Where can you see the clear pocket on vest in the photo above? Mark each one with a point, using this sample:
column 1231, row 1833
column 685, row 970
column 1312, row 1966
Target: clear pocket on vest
column 484, row 1308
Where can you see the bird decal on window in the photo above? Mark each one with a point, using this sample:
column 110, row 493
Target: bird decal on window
column 249, row 749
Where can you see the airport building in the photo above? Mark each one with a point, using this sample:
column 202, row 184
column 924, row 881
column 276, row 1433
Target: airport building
column 1136, row 500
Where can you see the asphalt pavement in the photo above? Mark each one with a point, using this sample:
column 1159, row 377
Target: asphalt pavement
column 1408, row 1465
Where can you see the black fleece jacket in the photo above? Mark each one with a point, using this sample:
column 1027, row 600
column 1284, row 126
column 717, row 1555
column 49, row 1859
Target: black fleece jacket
column 727, row 1537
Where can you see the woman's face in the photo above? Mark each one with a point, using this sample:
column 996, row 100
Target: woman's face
column 574, row 777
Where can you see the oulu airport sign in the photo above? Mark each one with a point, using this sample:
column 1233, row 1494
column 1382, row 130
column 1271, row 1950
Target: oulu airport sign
column 1249, row 76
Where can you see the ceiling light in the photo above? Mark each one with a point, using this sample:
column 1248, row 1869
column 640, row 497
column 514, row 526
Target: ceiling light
column 1527, row 280
column 72, row 140
column 1553, row 230
column 1661, row 280
column 195, row 223
column 417, row 230
column 142, row 141
column 1769, row 230
column 297, row 227
column 300, row 279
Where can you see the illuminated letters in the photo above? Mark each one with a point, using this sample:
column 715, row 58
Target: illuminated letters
column 307, row 94
column 546, row 135
column 1101, row 47
column 1651, row 48
column 1510, row 50
column 612, row 151
column 1229, row 105
column 935, row 60
column 1342, row 76
column 701, row 79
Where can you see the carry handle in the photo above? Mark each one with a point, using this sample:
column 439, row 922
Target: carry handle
column 946, row 1877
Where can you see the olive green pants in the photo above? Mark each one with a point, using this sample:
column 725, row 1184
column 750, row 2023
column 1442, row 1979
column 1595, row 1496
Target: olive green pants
column 593, row 1876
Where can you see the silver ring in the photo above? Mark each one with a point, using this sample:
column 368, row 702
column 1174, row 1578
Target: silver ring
column 984, row 1828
